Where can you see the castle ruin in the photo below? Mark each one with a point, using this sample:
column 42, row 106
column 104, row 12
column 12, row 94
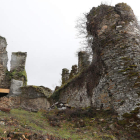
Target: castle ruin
column 110, row 82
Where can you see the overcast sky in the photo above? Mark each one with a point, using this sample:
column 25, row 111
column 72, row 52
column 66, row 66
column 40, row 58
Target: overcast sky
column 45, row 29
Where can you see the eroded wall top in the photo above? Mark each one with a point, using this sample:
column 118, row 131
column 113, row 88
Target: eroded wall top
column 18, row 60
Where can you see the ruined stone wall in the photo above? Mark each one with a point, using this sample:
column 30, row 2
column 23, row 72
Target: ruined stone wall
column 77, row 92
column 113, row 80
column 3, row 63
column 29, row 104
column 17, row 70
column 83, row 60
column 117, row 40
column 10, row 102
column 73, row 72
column 32, row 98
column 65, row 75
column 18, row 60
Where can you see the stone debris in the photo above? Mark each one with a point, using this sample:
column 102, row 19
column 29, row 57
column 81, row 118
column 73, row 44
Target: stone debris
column 59, row 106
column 29, row 136
column 5, row 109
column 2, row 123
column 10, row 102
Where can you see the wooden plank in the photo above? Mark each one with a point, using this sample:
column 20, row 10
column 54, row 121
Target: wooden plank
column 4, row 90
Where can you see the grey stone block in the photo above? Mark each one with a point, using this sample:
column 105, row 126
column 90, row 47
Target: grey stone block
column 15, row 87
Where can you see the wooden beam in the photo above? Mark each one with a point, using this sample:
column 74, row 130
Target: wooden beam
column 4, row 90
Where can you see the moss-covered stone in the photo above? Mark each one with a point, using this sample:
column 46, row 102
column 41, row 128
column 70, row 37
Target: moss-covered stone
column 37, row 89
column 131, row 119
column 126, row 69
column 20, row 53
column 124, row 6
column 22, row 75
column 126, row 58
column 56, row 94
column 135, row 111
column 131, row 74
column 133, row 66
column 122, row 122
column 127, row 115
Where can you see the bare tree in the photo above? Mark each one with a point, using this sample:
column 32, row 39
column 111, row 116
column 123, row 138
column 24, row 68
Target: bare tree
column 86, row 39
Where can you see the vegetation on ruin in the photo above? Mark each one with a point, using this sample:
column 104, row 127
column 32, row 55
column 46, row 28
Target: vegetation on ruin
column 81, row 123
column 19, row 53
column 56, row 94
column 124, row 6
column 131, row 120
column 46, row 91
column 17, row 75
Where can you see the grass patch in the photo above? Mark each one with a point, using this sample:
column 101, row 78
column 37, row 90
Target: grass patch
column 82, row 123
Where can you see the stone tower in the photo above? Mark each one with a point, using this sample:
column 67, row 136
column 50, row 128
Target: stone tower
column 17, row 70
column 116, row 47
column 83, row 60
column 3, row 62
column 65, row 75
column 18, row 61
column 73, row 72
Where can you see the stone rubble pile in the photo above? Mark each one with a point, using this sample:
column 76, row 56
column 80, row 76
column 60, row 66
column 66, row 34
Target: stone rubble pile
column 28, row 136
column 59, row 106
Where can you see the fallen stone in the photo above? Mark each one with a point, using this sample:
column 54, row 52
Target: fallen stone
column 59, row 106
column 2, row 123
column 112, row 127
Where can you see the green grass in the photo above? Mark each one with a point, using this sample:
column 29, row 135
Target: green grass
column 28, row 122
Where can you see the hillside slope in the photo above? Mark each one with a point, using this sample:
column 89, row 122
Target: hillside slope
column 74, row 124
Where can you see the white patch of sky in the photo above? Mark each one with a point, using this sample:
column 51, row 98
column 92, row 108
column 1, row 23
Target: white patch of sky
column 45, row 29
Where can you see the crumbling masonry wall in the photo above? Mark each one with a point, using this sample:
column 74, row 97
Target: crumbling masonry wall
column 27, row 97
column 18, row 60
column 65, row 75
column 83, row 63
column 117, row 40
column 113, row 79
column 77, row 92
column 83, row 60
column 3, row 63
column 17, row 69
column 73, row 72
